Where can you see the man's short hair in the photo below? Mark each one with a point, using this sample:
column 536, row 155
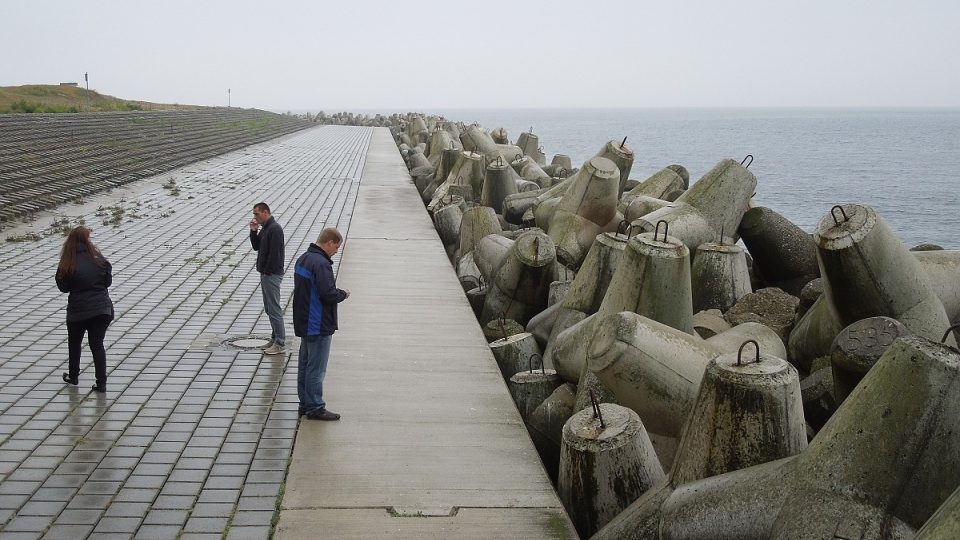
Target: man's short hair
column 262, row 206
column 330, row 234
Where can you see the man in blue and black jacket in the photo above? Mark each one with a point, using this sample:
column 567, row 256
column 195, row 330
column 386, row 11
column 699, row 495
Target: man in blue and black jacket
column 315, row 299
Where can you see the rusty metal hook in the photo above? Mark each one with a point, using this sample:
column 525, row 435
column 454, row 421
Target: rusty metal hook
column 747, row 166
column 745, row 343
column 536, row 251
column 530, row 358
column 656, row 230
column 623, row 142
column 499, row 160
column 625, row 227
column 947, row 333
column 518, row 157
column 480, row 283
column 597, row 413
column 561, row 172
column 502, row 321
column 842, row 213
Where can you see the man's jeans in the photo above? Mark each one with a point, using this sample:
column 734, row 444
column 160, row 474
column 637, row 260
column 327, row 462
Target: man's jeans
column 311, row 368
column 270, row 285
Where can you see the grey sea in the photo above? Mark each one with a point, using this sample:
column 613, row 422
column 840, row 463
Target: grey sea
column 903, row 163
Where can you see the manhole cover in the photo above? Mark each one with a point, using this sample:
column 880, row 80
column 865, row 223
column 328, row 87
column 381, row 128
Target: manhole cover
column 247, row 342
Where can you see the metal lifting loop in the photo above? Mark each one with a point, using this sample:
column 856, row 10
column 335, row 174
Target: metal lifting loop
column 480, row 283
column 745, row 343
column 499, row 161
column 721, row 235
column 502, row 321
column 842, row 213
column 657, row 230
column 597, row 413
column 624, row 228
column 623, row 142
column 530, row 358
column 518, row 157
column 947, row 333
column 747, row 166
column 536, row 251
column 561, row 172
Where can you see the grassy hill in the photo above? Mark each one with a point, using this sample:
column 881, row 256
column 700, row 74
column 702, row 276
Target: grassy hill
column 45, row 98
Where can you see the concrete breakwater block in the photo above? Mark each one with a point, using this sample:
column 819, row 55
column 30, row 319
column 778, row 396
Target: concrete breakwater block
column 719, row 276
column 880, row 468
column 746, row 413
column 656, row 370
column 515, row 353
column 500, row 328
column 620, row 153
column 530, row 388
column 784, row 255
column 857, row 348
column 711, row 207
column 545, row 425
column 499, row 182
column 945, row 523
column 586, row 209
column 652, row 279
column 476, row 222
column 771, row 306
column 519, row 285
column 606, row 462
column 657, row 186
column 868, row 272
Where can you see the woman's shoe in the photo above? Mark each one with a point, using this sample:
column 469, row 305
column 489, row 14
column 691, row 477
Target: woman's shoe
column 100, row 389
column 68, row 380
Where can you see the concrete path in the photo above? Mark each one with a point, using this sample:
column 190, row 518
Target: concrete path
column 430, row 444
column 194, row 436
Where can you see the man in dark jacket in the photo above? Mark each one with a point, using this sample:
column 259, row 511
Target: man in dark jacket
column 268, row 243
column 315, row 299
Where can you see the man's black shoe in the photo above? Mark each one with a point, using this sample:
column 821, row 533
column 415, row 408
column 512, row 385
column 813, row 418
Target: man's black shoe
column 301, row 411
column 100, row 389
column 74, row 381
column 323, row 414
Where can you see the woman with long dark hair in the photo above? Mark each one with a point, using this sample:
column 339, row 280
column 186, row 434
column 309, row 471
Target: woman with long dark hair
column 86, row 274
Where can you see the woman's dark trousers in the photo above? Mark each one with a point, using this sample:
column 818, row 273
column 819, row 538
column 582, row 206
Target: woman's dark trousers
column 95, row 328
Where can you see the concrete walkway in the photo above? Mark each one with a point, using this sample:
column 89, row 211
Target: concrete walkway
column 430, row 444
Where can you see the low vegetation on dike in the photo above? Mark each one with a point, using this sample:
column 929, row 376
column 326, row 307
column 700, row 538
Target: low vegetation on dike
column 44, row 98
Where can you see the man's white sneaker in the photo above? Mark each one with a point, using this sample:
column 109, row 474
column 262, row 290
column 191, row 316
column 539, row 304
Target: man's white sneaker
column 275, row 349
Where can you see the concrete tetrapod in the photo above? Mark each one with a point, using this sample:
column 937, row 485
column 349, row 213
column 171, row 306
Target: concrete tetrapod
column 499, row 182
column 658, row 185
column 520, row 283
column 652, row 279
column 719, row 276
column 606, row 462
column 945, row 523
column 857, row 348
column 622, row 156
column 489, row 252
column 819, row 325
column 530, row 146
column 879, row 468
column 529, row 170
column 587, row 290
column 642, row 205
column 784, row 255
column 656, row 370
column 711, row 207
column 746, row 413
column 517, row 204
column 447, row 219
column 868, row 272
column 586, row 209
column 514, row 353
column 476, row 223
column 465, row 178
column 545, row 425
column 530, row 388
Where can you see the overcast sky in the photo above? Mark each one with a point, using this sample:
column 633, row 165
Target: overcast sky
column 428, row 54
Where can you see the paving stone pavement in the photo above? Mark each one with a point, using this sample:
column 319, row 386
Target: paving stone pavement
column 193, row 437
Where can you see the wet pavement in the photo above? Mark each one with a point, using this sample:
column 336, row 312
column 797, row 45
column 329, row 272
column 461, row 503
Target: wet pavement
column 194, row 436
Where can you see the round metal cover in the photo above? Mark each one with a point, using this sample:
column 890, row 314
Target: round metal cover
column 247, row 342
